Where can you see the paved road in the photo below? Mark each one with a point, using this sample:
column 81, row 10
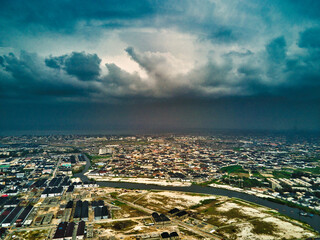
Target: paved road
column 56, row 169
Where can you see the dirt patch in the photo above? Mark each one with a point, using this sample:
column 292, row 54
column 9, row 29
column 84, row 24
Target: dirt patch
column 119, row 226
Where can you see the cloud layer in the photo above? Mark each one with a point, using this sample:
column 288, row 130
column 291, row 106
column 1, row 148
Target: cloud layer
column 119, row 52
column 272, row 71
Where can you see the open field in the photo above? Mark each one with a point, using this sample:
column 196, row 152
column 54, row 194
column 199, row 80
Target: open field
column 229, row 218
column 128, row 229
column 236, row 219
column 163, row 201
column 31, row 235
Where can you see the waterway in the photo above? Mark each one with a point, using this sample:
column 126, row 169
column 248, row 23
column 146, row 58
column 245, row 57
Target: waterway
column 294, row 213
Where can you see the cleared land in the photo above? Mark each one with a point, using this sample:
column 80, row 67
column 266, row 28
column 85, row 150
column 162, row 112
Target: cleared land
column 227, row 217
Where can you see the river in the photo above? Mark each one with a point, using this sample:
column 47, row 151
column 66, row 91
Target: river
column 283, row 209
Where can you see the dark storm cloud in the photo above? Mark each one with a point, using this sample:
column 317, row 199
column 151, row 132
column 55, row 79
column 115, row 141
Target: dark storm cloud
column 78, row 74
column 279, row 75
column 84, row 66
column 277, row 49
column 205, row 18
column 26, row 76
column 310, row 38
column 65, row 14
column 55, row 62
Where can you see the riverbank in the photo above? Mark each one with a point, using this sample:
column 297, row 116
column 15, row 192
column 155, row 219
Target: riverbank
column 162, row 182
column 251, row 192
column 283, row 209
column 149, row 181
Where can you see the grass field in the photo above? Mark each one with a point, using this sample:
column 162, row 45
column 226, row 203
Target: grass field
column 118, row 226
column 315, row 170
column 233, row 169
column 31, row 235
column 281, row 174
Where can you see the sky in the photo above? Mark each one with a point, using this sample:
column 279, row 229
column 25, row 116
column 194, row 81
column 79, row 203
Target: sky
column 151, row 64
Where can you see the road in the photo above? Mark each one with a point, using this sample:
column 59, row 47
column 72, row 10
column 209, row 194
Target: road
column 120, row 219
column 56, row 169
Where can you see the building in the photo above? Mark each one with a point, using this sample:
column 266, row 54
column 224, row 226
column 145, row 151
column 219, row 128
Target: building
column 69, row 231
column 173, row 211
column 60, row 232
column 80, row 230
column 161, row 219
column 182, row 215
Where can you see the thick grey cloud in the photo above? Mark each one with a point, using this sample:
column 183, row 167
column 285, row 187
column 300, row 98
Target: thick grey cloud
column 84, row 66
column 276, row 50
column 310, row 38
column 27, row 77
column 55, row 62
column 63, row 15
column 79, row 74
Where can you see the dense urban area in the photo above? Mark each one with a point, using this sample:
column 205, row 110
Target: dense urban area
column 54, row 187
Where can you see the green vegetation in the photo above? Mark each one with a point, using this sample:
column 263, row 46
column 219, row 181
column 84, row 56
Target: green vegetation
column 234, row 213
column 233, row 169
column 315, row 170
column 281, row 174
column 98, row 157
column 118, row 203
column 231, row 230
column 125, row 225
column 128, row 211
column 261, row 227
column 243, row 181
column 4, row 166
column 313, row 159
column 78, row 170
column 248, row 182
column 30, row 235
column 118, row 226
column 257, row 174
column 237, row 149
column 114, row 194
column 196, row 194
column 203, row 202
column 90, row 158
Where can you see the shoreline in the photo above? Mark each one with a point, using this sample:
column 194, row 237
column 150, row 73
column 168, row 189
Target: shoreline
column 250, row 192
column 148, row 181
column 160, row 182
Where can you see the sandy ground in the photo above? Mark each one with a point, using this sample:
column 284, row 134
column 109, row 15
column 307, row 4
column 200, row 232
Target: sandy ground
column 143, row 181
column 246, row 210
column 75, row 179
column 186, row 199
column 288, row 229
column 166, row 200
